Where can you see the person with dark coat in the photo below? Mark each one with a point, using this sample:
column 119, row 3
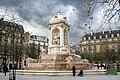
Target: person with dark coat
column 5, row 68
column 73, row 70
column 80, row 73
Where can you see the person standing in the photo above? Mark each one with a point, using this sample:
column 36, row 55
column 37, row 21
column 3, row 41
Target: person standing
column 5, row 68
column 73, row 70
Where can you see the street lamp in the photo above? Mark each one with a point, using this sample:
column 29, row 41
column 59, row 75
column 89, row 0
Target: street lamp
column 13, row 36
column 12, row 75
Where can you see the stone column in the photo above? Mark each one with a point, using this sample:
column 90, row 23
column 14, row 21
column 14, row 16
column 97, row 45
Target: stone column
column 50, row 37
column 61, row 36
column 22, row 64
column 50, row 40
column 68, row 36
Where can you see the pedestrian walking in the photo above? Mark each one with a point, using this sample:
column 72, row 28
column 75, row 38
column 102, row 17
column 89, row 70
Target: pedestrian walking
column 80, row 73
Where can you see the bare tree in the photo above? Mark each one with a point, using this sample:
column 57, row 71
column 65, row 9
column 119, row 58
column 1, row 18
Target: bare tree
column 109, row 8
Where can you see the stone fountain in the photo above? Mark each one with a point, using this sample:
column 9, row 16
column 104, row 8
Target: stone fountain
column 59, row 57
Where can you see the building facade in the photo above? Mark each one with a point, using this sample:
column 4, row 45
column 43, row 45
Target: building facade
column 40, row 42
column 13, row 40
column 97, row 42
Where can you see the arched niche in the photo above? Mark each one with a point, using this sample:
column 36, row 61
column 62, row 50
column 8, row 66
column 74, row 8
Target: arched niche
column 56, row 36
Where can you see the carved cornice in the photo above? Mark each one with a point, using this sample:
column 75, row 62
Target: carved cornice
column 61, row 21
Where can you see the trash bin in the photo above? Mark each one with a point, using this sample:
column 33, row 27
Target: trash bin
column 114, row 71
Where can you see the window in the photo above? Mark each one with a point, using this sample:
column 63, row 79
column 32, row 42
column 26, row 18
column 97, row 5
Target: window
column 100, row 37
column 90, row 49
column 94, row 48
column 21, row 42
column 113, row 46
column 112, row 35
column 106, row 36
column 84, row 38
column 94, row 37
column 118, row 35
column 85, row 49
column 88, row 38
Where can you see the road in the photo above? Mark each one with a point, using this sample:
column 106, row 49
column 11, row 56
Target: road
column 85, row 77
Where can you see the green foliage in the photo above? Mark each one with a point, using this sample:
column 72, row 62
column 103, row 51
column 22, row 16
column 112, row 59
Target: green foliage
column 107, row 55
column 33, row 51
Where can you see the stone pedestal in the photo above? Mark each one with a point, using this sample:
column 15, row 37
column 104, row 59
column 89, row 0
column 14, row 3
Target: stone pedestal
column 58, row 62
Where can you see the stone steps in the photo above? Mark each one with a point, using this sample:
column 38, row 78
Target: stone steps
column 59, row 73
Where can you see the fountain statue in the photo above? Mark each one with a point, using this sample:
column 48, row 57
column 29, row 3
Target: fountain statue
column 59, row 57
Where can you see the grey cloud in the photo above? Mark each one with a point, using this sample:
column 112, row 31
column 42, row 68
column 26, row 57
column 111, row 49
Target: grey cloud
column 10, row 3
column 39, row 11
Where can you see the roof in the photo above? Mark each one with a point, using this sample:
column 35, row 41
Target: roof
column 38, row 38
column 102, row 34
column 58, row 19
column 11, row 26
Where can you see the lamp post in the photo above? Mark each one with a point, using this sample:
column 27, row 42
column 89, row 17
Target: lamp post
column 13, row 36
column 12, row 75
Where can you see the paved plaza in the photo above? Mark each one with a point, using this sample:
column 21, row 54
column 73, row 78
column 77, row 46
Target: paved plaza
column 85, row 77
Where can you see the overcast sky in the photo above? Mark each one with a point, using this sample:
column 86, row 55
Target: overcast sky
column 35, row 14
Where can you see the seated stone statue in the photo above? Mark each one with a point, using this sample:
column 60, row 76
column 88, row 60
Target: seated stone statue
column 56, row 39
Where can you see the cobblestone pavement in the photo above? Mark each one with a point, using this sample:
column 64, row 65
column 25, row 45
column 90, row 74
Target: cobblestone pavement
column 85, row 77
